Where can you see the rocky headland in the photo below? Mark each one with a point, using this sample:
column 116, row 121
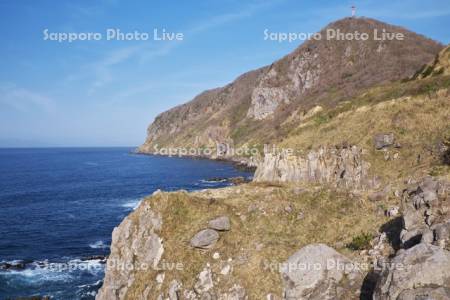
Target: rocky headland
column 355, row 205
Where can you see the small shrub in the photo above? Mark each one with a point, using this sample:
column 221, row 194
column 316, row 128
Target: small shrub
column 427, row 72
column 346, row 75
column 439, row 170
column 420, row 71
column 361, row 242
column 402, row 131
column 321, row 119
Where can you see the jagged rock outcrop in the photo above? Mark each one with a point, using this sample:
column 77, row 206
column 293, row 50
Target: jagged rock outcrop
column 319, row 272
column 135, row 245
column 440, row 66
column 343, row 167
column 421, row 272
column 426, row 212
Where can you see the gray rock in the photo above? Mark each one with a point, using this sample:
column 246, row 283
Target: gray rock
column 220, row 224
column 392, row 211
column 205, row 239
column 429, row 196
column 440, row 293
column 383, row 140
column 265, row 101
column 442, row 234
column 421, row 266
column 236, row 292
column 412, row 218
column 427, row 237
column 429, row 184
column 272, row 297
column 442, row 231
column 339, row 167
column 134, row 242
column 319, row 272
column 204, row 281
column 411, row 237
column 174, row 290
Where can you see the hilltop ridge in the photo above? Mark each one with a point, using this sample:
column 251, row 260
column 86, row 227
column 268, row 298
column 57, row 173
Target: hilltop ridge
column 251, row 110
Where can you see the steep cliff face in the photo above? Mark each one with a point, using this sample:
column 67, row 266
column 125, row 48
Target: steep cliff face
column 253, row 108
column 206, row 120
column 135, row 240
column 340, row 167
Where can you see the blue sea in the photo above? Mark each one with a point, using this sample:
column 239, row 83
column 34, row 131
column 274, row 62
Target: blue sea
column 58, row 207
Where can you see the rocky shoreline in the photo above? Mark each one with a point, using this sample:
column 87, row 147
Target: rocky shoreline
column 386, row 269
column 366, row 219
column 240, row 163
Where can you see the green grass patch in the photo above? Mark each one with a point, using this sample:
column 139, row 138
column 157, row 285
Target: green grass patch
column 360, row 242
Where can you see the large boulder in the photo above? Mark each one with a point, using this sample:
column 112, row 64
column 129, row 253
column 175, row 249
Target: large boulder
column 319, row 272
column 421, row 270
column 205, row 239
column 220, row 224
column 383, row 140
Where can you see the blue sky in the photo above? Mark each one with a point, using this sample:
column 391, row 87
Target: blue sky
column 105, row 93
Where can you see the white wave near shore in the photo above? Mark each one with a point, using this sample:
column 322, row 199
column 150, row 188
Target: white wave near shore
column 99, row 245
column 132, row 204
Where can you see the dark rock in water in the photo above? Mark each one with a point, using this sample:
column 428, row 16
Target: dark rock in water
column 17, row 265
column 33, row 298
column 5, row 266
column 238, row 180
column 102, row 258
column 233, row 180
column 217, row 179
column 245, row 167
column 383, row 140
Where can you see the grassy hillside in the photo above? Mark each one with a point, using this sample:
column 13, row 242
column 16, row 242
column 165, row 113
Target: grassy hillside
column 268, row 224
column 256, row 107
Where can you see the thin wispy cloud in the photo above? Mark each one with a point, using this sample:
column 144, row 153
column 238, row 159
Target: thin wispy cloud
column 103, row 68
column 24, row 100
column 222, row 19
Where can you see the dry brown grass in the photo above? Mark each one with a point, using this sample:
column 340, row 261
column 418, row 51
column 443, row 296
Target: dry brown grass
column 418, row 123
column 259, row 217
